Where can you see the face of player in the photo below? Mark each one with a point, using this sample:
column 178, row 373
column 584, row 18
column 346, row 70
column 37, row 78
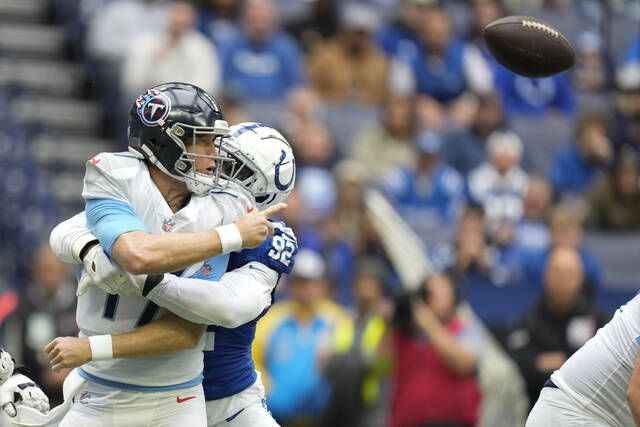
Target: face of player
column 204, row 146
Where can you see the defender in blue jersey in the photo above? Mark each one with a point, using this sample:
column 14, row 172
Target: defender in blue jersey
column 265, row 168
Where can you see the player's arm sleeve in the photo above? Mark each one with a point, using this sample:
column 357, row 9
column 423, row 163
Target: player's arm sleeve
column 107, row 208
column 107, row 219
column 68, row 238
column 239, row 297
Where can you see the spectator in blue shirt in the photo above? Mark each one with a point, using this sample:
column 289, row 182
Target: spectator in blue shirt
column 291, row 339
column 523, row 96
column 575, row 165
column 466, row 150
column 500, row 183
column 626, row 126
column 629, row 70
column 262, row 62
column 401, row 39
column 566, row 230
column 218, row 21
column 446, row 67
column 430, row 193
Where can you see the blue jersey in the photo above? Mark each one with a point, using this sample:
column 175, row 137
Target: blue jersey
column 229, row 367
column 228, row 360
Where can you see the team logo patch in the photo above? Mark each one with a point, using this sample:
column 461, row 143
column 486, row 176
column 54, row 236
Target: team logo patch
column 153, row 107
column 205, row 270
column 168, row 224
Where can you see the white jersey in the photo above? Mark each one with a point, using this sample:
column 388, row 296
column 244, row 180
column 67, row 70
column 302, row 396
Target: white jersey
column 124, row 177
column 597, row 375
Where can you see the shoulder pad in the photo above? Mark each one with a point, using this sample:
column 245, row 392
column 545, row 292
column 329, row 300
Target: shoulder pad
column 108, row 175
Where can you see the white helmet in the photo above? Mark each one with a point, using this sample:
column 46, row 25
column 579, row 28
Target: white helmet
column 264, row 162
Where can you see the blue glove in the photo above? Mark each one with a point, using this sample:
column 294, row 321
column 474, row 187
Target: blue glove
column 277, row 252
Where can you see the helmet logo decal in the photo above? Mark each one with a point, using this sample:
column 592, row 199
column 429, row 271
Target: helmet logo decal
column 279, row 185
column 153, row 106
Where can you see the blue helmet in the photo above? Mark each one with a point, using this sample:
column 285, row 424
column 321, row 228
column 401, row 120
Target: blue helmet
column 165, row 119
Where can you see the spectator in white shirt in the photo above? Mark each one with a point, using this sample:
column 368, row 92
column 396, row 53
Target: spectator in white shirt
column 178, row 54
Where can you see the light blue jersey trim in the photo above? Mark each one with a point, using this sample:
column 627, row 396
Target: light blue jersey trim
column 108, row 219
column 144, row 389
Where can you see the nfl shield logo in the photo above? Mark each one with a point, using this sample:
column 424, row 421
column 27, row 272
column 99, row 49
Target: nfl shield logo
column 205, row 270
column 168, row 224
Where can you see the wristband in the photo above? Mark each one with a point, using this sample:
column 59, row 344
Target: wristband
column 230, row 238
column 101, row 347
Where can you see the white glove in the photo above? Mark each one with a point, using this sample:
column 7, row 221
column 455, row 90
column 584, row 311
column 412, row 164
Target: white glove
column 6, row 366
column 20, row 390
column 101, row 272
column 134, row 286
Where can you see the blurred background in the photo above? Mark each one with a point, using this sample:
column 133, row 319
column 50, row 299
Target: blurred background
column 464, row 229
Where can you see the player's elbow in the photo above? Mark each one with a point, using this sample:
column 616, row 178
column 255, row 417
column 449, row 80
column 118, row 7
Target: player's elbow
column 229, row 321
column 234, row 316
column 55, row 238
column 133, row 256
column 135, row 262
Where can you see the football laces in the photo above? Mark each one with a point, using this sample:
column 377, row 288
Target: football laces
column 540, row 27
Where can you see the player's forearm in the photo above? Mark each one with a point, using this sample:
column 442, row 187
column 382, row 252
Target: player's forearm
column 239, row 297
column 139, row 252
column 167, row 335
column 69, row 238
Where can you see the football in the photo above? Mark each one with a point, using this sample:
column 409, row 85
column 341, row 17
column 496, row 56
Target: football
column 529, row 46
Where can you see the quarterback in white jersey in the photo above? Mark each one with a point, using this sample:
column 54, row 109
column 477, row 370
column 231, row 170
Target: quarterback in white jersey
column 148, row 208
column 233, row 389
column 594, row 387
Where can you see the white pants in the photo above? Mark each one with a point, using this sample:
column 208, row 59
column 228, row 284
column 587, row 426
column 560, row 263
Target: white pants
column 99, row 406
column 555, row 408
column 245, row 409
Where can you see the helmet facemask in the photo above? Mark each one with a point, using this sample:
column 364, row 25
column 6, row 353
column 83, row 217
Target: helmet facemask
column 242, row 170
column 185, row 165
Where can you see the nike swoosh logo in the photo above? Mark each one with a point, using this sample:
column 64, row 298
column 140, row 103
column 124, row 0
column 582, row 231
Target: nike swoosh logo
column 184, row 399
column 251, row 267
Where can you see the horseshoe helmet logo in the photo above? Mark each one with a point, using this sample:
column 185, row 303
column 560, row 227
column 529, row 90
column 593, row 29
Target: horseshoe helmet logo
column 153, row 107
column 279, row 185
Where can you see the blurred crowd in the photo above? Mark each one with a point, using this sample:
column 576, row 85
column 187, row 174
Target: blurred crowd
column 500, row 176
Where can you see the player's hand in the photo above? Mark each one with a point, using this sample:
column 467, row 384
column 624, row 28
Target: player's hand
column 6, row 366
column 101, row 272
column 68, row 352
column 255, row 226
column 21, row 390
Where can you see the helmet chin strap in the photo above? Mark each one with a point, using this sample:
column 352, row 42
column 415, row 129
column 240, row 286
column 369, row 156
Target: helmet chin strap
column 196, row 187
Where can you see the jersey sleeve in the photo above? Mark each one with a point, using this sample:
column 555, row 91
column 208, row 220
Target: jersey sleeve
column 68, row 238
column 106, row 179
column 108, row 219
column 106, row 186
column 239, row 297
